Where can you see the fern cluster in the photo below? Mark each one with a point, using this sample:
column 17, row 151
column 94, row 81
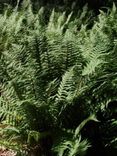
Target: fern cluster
column 55, row 74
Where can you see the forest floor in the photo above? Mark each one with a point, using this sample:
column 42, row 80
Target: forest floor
column 7, row 152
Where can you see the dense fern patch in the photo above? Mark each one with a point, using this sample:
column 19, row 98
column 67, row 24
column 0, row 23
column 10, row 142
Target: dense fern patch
column 55, row 76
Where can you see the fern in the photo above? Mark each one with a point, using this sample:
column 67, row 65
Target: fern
column 75, row 146
column 55, row 72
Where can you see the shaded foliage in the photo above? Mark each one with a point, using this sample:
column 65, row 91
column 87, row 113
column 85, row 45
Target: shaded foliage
column 54, row 74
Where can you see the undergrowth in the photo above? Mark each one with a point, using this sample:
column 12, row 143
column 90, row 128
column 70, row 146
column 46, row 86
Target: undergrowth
column 54, row 75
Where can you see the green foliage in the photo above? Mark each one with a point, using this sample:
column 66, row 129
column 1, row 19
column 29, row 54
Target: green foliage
column 74, row 145
column 54, row 74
